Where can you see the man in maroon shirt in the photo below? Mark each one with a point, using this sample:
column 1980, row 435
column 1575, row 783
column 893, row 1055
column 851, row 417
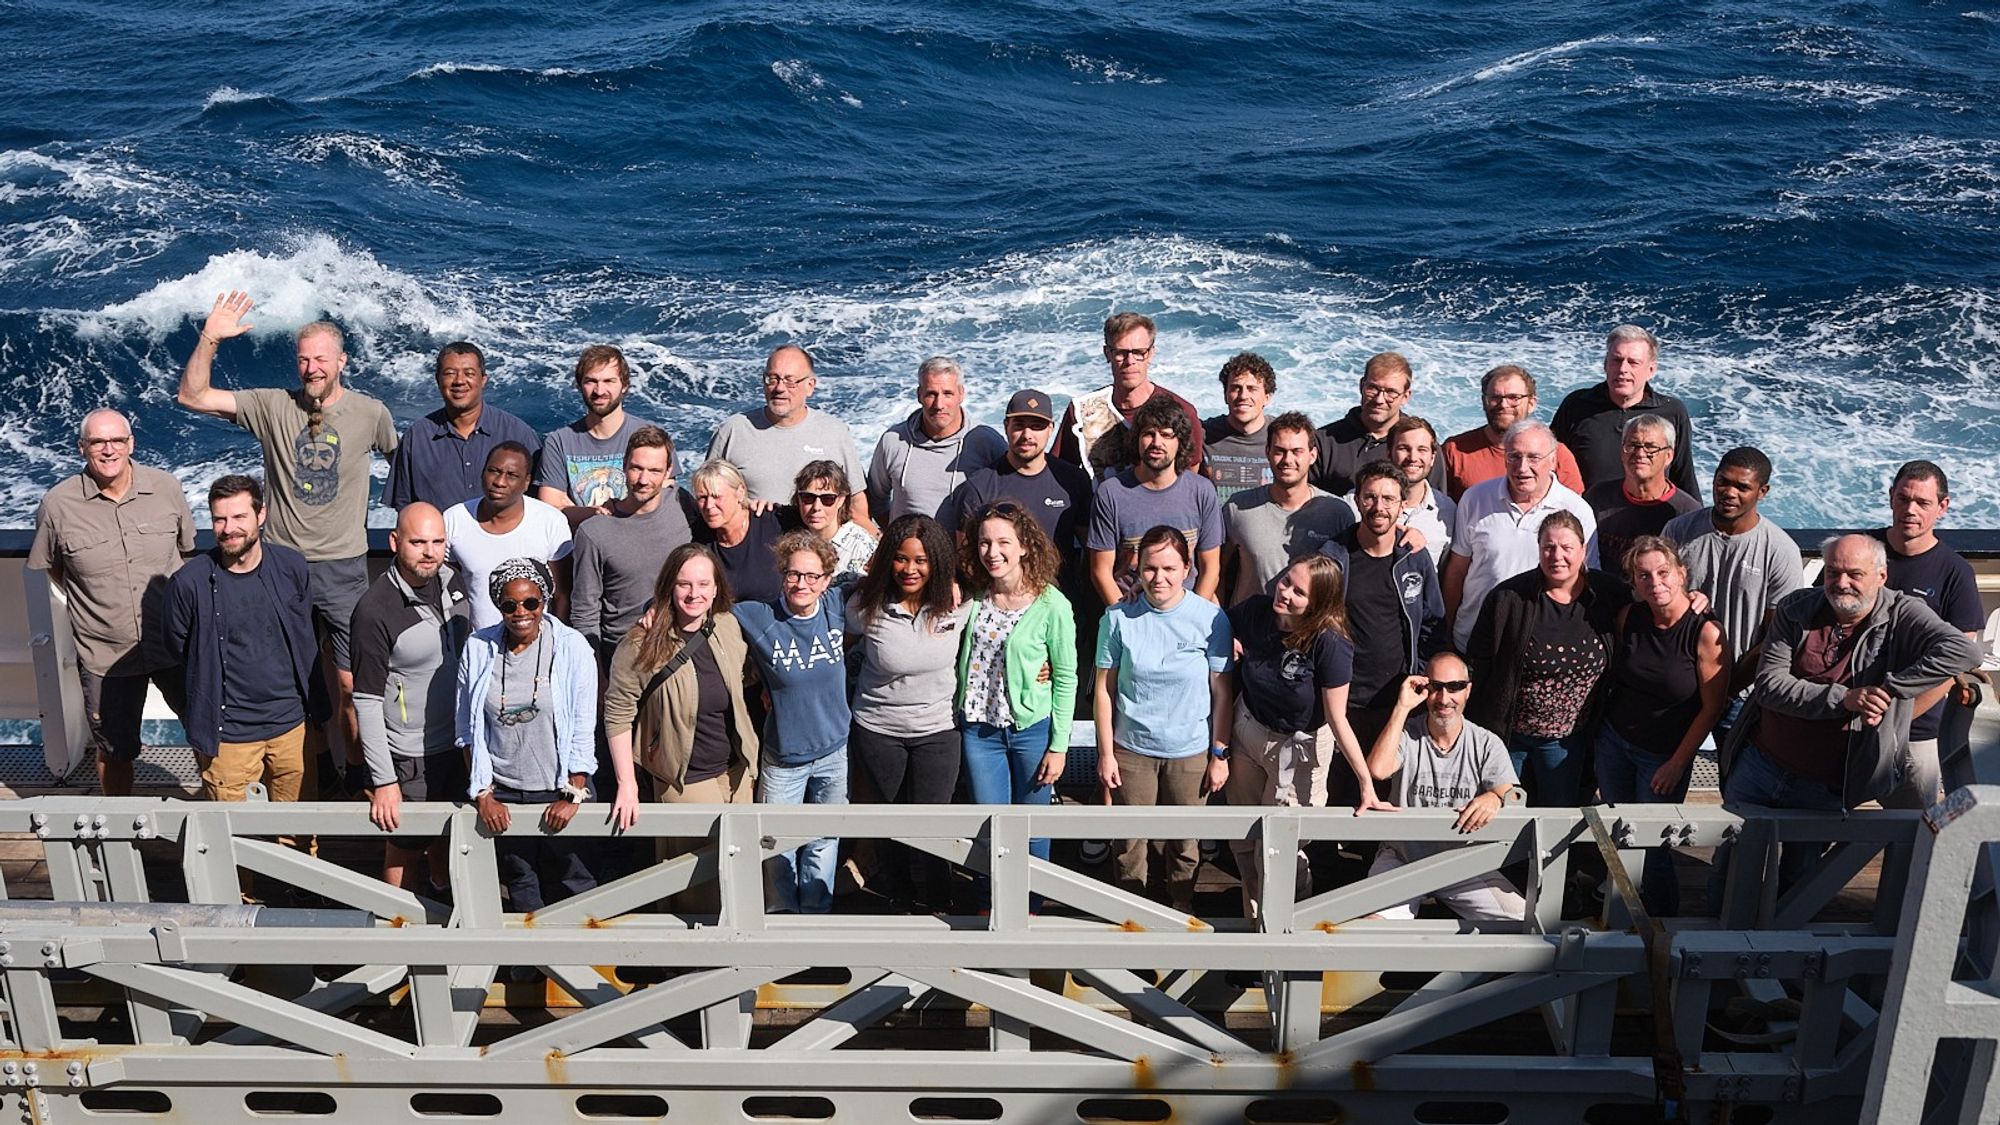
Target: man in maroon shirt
column 1095, row 431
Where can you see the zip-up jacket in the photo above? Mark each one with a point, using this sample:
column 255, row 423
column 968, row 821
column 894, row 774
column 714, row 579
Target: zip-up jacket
column 405, row 658
column 195, row 630
column 1418, row 595
column 914, row 472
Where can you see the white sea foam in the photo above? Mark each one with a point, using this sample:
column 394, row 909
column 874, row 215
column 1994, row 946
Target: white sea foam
column 401, row 163
column 1558, row 53
column 230, row 95
column 1108, row 70
column 446, row 68
column 27, row 173
column 801, row 79
column 1924, row 173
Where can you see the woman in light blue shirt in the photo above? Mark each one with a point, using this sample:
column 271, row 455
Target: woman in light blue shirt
column 1162, row 707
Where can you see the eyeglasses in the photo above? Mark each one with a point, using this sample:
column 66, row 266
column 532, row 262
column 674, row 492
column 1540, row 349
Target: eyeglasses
column 1507, row 400
column 1377, row 390
column 1646, row 449
column 1447, row 685
column 509, row 605
column 516, row 716
column 1519, row 458
column 823, row 499
column 773, row 379
column 802, row 577
column 1129, row 355
column 95, row 442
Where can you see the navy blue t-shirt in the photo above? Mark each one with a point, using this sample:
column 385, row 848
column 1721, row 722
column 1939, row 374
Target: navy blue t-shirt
column 1282, row 687
column 1944, row 580
column 1058, row 497
column 259, row 699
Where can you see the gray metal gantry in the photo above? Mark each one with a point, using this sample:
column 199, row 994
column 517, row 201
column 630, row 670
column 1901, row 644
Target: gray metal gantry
column 1127, row 1011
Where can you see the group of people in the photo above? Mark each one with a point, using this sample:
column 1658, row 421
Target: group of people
column 1248, row 605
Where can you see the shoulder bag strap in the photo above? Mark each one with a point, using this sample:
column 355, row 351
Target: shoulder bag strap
column 687, row 653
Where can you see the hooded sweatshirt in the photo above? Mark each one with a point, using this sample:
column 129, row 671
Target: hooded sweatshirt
column 913, row 472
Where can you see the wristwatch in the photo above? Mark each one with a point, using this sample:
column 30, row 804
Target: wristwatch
column 1219, row 753
column 574, row 794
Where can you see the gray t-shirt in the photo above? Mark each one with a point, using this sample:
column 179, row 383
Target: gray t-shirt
column 1446, row 779
column 1743, row 575
column 1234, row 461
column 1124, row 511
column 589, row 470
column 770, row 457
column 316, row 484
column 521, row 713
column 908, row 670
column 615, row 562
column 1268, row 538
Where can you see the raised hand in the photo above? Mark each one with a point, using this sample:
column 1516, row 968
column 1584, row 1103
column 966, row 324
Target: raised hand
column 226, row 318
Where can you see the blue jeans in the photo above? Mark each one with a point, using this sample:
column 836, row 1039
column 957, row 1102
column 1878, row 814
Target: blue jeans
column 1550, row 769
column 1000, row 767
column 802, row 879
column 1757, row 780
column 1625, row 777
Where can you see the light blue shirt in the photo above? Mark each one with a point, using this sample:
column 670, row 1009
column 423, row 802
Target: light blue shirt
column 1163, row 658
column 572, row 694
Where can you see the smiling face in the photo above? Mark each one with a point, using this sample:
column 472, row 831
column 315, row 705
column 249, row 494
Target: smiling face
column 1162, row 572
column 461, row 381
column 1000, row 549
column 804, row 575
column 238, row 524
column 106, row 443
column 1294, row 591
column 1446, row 707
column 788, row 382
column 1413, row 452
column 1531, row 463
column 1852, row 578
column 523, row 623
column 694, row 592
column 1246, row 398
column 1291, row 452
column 320, row 361
column 1380, row 501
column 1735, row 491
column 647, row 473
column 1506, row 401
column 1382, row 398
column 910, row 568
column 1027, row 438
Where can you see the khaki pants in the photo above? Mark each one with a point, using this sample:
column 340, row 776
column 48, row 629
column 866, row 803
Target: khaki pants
column 731, row 788
column 1270, row 768
column 1158, row 781
column 280, row 763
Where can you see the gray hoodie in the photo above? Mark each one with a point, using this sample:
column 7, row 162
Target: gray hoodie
column 913, row 472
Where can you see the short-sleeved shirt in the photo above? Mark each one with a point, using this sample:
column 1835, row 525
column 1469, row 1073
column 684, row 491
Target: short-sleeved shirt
column 1621, row 519
column 1058, row 497
column 115, row 558
column 770, row 456
column 1234, row 461
column 1473, row 456
column 1268, row 538
column 316, row 483
column 1284, row 688
column 1944, row 580
column 437, row 466
column 589, row 470
column 1744, row 576
column 1163, row 658
column 1431, row 778
column 750, row 567
column 986, row 665
column 1124, row 510
column 908, row 669
column 475, row 552
column 1096, row 434
column 1499, row 538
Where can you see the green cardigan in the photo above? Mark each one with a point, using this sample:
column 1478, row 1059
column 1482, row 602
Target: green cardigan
column 1046, row 634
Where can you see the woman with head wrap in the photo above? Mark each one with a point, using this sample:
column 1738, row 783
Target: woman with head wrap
column 527, row 712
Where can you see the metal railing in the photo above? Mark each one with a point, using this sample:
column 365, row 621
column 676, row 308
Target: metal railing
column 1105, row 1006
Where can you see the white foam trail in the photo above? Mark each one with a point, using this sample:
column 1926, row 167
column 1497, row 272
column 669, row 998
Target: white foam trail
column 398, row 162
column 1108, row 70
column 1526, row 59
column 802, row 80
column 230, row 95
column 445, row 68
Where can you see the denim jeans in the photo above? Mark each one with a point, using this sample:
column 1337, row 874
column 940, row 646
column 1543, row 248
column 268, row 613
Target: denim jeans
column 802, row 879
column 1000, row 766
column 1625, row 777
column 1550, row 769
column 1757, row 780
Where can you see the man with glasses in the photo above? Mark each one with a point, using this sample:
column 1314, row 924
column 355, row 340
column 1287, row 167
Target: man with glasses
column 1497, row 522
column 1507, row 395
column 771, row 443
column 1592, row 420
column 110, row 538
column 1644, row 501
column 1096, row 431
column 1440, row 761
column 580, row 469
column 919, row 461
column 1362, row 435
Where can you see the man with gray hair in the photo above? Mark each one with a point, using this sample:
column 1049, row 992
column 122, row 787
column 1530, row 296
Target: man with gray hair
column 316, row 440
column 1494, row 537
column 1827, row 726
column 110, row 537
column 1642, row 502
column 920, row 460
column 1592, row 420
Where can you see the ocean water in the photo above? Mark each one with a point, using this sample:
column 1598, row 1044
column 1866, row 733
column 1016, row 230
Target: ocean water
column 1802, row 198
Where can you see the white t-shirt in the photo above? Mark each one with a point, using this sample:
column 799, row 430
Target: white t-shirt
column 542, row 534
column 1499, row 538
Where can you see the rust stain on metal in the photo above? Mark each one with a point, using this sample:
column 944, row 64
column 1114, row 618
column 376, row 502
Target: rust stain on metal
column 340, row 1070
column 591, row 921
column 528, row 920
column 557, row 1065
column 1326, row 927
column 1363, row 1074
column 398, row 922
column 1131, row 926
column 1196, row 925
column 1142, row 1074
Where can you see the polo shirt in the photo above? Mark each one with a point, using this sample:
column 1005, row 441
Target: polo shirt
column 437, row 466
column 114, row 558
column 1499, row 538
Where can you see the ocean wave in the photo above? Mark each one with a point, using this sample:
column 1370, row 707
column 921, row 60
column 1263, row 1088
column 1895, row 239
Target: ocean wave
column 1109, row 70
column 230, row 95
column 1559, row 53
column 438, row 69
column 800, row 78
column 1910, row 173
column 27, row 173
column 402, row 163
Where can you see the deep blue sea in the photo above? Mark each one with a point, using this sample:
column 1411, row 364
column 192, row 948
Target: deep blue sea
column 1801, row 197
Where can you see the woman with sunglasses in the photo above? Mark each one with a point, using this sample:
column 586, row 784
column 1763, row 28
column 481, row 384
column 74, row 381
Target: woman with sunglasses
column 741, row 537
column 1538, row 653
column 527, row 711
column 905, row 619
column 821, row 495
column 693, row 732
column 1016, row 665
column 1162, row 707
column 796, row 641
column 1295, row 660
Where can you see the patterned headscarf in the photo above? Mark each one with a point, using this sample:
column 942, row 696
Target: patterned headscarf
column 513, row 570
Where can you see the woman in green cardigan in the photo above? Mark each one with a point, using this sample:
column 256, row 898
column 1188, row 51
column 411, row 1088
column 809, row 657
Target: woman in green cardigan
column 1016, row 665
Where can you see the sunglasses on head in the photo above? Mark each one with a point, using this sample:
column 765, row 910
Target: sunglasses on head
column 1002, row 508
column 509, row 605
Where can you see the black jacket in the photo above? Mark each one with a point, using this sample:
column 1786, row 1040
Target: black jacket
column 1500, row 640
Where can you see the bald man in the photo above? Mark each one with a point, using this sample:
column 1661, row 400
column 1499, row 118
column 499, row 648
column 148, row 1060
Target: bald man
column 408, row 630
column 110, row 537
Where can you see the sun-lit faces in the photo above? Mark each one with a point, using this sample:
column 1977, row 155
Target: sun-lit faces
column 320, row 360
column 1000, row 549
column 1562, row 555
column 1131, row 357
column 694, row 591
column 602, row 389
column 1162, row 575
column 648, row 471
column 1291, row 453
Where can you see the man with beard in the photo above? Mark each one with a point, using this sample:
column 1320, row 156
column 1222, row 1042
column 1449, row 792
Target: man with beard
column 1268, row 527
column 1233, row 453
column 578, row 470
column 506, row 523
column 408, row 630
column 1362, row 435
column 1158, row 490
column 316, row 442
column 1056, row 493
column 1507, row 395
column 239, row 618
column 1426, row 509
column 442, row 454
column 110, row 537
column 770, row 444
column 1395, row 609
column 921, row 460
column 617, row 558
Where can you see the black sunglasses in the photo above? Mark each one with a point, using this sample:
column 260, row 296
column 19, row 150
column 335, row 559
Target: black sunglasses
column 509, row 605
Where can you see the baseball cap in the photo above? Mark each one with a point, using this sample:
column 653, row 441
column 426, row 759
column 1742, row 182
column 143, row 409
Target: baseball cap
column 1030, row 403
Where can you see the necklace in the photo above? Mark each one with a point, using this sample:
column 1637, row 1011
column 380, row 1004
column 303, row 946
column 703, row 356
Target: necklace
column 529, row 711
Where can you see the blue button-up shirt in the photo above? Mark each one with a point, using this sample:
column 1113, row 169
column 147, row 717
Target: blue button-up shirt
column 435, row 465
